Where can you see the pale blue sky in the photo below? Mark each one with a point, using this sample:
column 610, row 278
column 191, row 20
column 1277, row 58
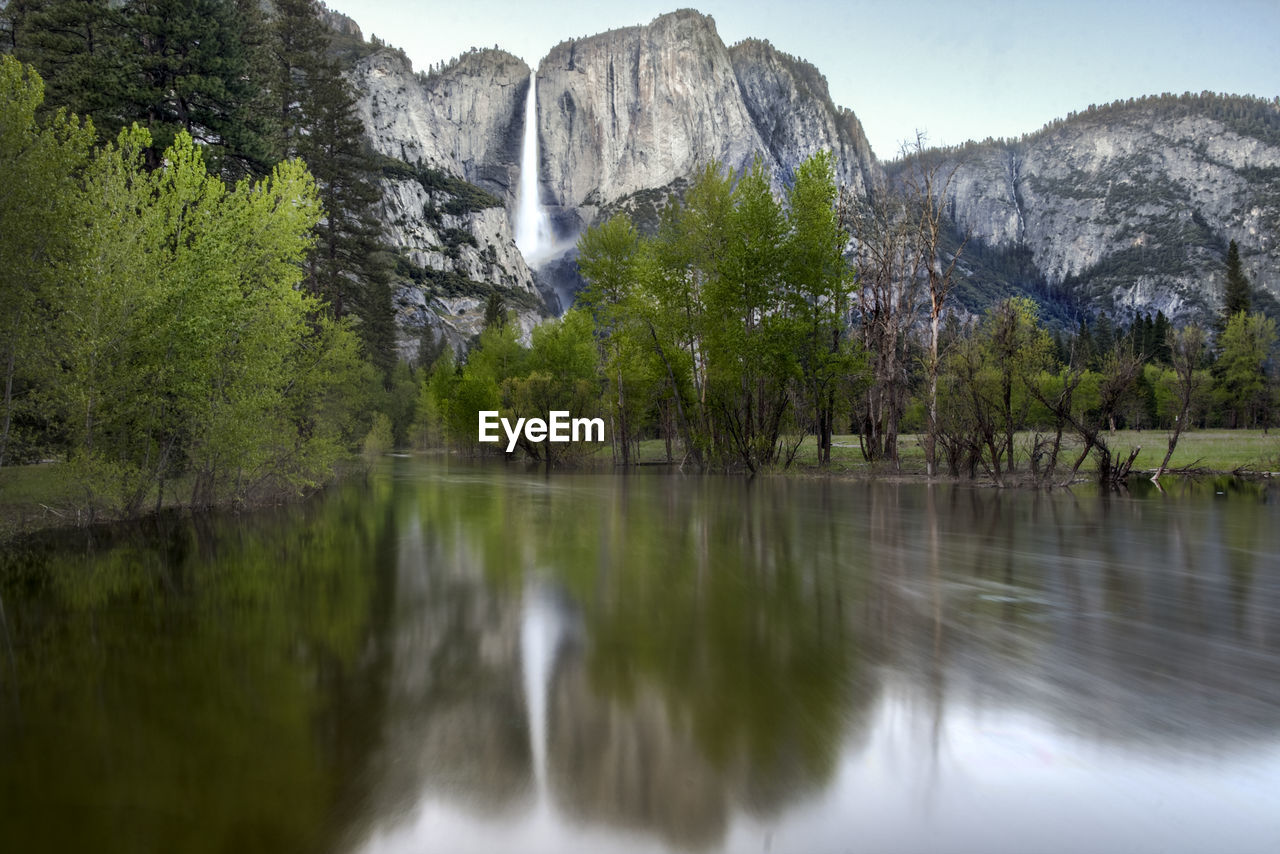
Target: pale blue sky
column 954, row 70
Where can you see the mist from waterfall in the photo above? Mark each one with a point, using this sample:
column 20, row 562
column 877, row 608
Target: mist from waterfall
column 533, row 226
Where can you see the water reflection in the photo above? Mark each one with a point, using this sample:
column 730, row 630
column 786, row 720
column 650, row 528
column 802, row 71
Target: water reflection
column 191, row 687
column 469, row 659
column 708, row 664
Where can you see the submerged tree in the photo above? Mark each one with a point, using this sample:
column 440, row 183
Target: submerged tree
column 889, row 261
column 928, row 181
column 821, row 284
column 728, row 327
column 1186, row 351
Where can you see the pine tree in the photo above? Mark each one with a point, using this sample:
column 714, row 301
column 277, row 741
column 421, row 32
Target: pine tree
column 1236, row 292
column 170, row 65
column 1104, row 340
column 297, row 47
column 495, row 311
column 315, row 120
column 191, row 72
column 80, row 51
column 1085, row 348
column 1161, row 351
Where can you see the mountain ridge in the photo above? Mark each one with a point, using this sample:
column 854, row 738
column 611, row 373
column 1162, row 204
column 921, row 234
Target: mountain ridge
column 1125, row 207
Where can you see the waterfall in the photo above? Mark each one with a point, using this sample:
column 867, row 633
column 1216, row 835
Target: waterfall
column 533, row 226
column 539, row 637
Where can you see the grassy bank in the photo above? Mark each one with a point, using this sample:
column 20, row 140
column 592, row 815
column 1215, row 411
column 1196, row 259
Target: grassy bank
column 1220, row 451
column 44, row 496
column 38, row 497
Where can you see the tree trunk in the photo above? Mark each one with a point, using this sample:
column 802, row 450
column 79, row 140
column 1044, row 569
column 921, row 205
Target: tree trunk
column 8, row 404
column 931, row 423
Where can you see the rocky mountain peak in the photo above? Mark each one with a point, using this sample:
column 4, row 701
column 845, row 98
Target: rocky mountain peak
column 791, row 105
column 638, row 108
column 340, row 23
column 1129, row 207
column 1124, row 208
column 642, row 109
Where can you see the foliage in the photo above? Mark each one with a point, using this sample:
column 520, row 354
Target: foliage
column 1245, row 388
column 37, row 216
column 173, row 340
column 252, row 90
column 988, row 399
column 1236, row 295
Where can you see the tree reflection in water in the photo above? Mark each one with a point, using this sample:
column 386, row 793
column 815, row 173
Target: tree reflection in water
column 471, row 658
column 734, row 647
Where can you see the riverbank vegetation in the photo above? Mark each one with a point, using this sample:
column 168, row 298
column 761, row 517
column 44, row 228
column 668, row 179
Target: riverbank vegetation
column 744, row 335
column 195, row 308
column 193, row 301
column 155, row 330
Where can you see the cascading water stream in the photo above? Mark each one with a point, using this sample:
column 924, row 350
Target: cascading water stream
column 540, row 632
column 533, row 226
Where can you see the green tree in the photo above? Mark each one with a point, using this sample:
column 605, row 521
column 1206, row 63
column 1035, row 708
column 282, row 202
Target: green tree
column 750, row 361
column 170, row 65
column 819, row 285
column 189, row 71
column 989, row 373
column 560, row 373
column 39, row 210
column 1243, row 389
column 438, row 391
column 190, row 357
column 349, row 268
column 1236, row 292
column 80, row 49
column 495, row 310
column 608, row 255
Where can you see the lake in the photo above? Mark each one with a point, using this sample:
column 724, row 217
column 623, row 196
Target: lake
column 459, row 657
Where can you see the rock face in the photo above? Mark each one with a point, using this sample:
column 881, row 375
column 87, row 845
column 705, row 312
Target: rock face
column 1130, row 208
column 451, row 262
column 464, row 119
column 1123, row 209
column 639, row 108
column 642, row 108
column 792, row 110
column 441, row 132
column 623, row 117
column 340, row 23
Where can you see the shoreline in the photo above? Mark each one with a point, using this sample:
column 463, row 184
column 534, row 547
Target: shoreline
column 37, row 518
column 42, row 515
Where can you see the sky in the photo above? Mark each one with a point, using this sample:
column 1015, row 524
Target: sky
column 954, row 71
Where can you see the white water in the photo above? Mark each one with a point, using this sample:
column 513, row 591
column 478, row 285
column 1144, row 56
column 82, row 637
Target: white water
column 533, row 226
column 539, row 637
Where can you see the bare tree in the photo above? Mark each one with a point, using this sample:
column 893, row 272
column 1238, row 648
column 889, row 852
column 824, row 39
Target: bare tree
column 1186, row 352
column 927, row 179
column 887, row 251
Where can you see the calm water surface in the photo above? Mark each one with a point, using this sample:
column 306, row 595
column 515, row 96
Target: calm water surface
column 458, row 658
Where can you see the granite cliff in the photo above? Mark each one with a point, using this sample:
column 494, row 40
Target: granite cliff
column 1126, row 208
column 624, row 118
column 640, row 109
column 449, row 142
column 1130, row 207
